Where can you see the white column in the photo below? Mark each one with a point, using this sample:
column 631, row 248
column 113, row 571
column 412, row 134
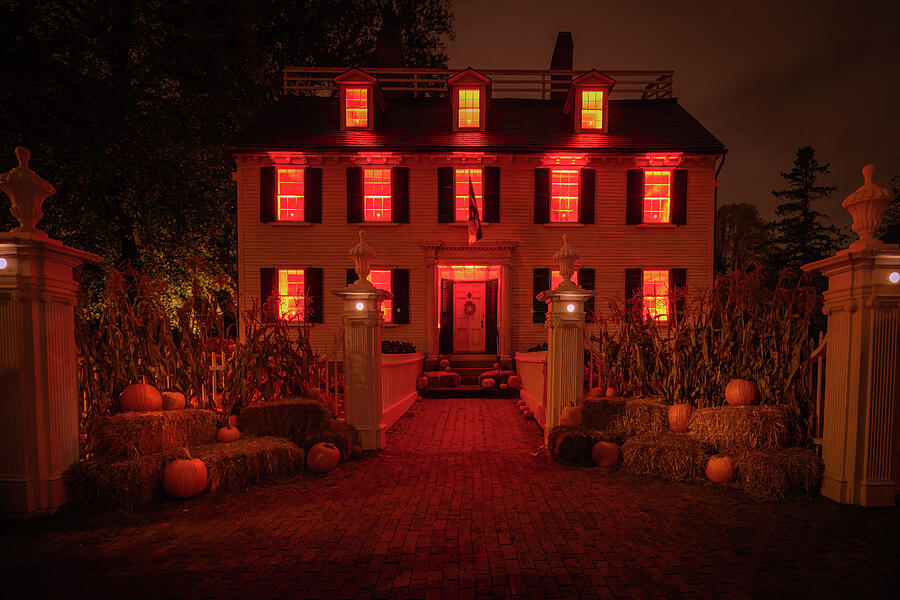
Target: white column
column 862, row 372
column 506, row 309
column 431, row 283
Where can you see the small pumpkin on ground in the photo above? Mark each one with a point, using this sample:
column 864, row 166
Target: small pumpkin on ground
column 422, row 383
column 173, row 400
column 503, row 386
column 597, row 392
column 679, row 417
column 515, row 382
column 741, row 392
column 571, row 416
column 720, row 469
column 528, row 414
column 140, row 397
column 226, row 435
column 185, row 476
column 355, row 451
column 605, row 454
column 323, row 457
column 488, row 383
column 445, row 364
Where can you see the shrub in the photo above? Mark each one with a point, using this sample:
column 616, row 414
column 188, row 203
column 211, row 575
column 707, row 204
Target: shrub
column 395, row 347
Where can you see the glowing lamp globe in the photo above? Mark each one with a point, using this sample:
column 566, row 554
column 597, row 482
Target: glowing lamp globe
column 5, row 263
column 360, row 306
column 570, row 307
column 893, row 277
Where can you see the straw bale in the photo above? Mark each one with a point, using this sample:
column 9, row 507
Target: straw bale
column 644, row 416
column 249, row 461
column 134, row 434
column 602, row 413
column 570, row 446
column 779, row 474
column 673, row 456
column 610, row 434
column 110, row 483
column 300, row 420
column 743, row 427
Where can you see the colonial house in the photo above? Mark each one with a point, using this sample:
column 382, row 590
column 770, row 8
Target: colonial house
column 610, row 158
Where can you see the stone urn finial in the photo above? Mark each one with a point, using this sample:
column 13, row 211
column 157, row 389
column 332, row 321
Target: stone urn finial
column 566, row 257
column 362, row 255
column 865, row 205
column 27, row 191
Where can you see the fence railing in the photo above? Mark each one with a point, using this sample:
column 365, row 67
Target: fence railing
column 817, row 385
column 398, row 385
column 329, row 376
column 531, row 367
column 595, row 376
column 528, row 83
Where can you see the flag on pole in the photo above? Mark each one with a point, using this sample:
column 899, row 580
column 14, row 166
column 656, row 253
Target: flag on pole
column 474, row 221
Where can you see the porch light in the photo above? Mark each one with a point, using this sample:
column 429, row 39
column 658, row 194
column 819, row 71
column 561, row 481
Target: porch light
column 893, row 277
column 4, row 263
column 570, row 307
column 360, row 306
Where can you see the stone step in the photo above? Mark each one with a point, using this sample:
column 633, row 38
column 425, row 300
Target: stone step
column 469, row 391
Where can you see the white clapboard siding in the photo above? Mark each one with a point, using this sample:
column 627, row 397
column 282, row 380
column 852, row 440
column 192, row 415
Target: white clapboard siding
column 609, row 246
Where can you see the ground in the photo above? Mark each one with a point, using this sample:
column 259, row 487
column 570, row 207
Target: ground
column 460, row 505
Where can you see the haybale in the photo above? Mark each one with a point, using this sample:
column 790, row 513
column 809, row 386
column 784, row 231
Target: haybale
column 602, row 413
column 108, row 484
column 249, row 461
column 610, row 434
column 570, row 446
column 779, row 474
column 644, row 416
column 134, row 434
column 301, row 420
column 343, row 436
column 673, row 456
column 744, row 427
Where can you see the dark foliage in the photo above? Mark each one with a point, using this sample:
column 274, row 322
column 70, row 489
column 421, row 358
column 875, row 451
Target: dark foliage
column 396, row 347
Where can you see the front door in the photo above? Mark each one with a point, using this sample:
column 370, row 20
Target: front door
column 468, row 316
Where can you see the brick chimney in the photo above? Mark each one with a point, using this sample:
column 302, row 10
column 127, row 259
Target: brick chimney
column 562, row 59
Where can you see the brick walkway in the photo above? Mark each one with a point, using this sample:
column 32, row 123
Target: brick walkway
column 458, row 506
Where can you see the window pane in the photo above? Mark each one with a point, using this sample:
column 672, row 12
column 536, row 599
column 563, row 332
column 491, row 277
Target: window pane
column 657, row 196
column 469, row 108
column 290, row 194
column 382, row 281
column 591, row 109
column 462, row 192
column 291, row 294
column 655, row 291
column 556, row 279
column 564, row 196
column 357, row 114
column 377, row 184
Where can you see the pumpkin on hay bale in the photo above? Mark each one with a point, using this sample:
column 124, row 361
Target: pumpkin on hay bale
column 300, row 420
column 570, row 446
column 644, row 416
column 667, row 455
column 249, row 461
column 133, row 434
column 744, row 427
column 779, row 474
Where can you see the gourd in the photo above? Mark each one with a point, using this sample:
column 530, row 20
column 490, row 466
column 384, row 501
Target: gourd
column 140, row 397
column 229, row 434
column 422, row 383
column 720, row 469
column 173, row 400
column 741, row 392
column 515, row 382
column 488, row 383
column 185, row 476
column 679, row 417
column 323, row 457
column 611, row 392
column 605, row 454
column 571, row 416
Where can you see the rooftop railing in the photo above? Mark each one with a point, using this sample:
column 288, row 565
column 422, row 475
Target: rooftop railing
column 516, row 83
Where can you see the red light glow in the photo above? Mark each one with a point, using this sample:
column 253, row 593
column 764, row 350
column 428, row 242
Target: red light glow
column 592, row 109
column 461, row 192
column 377, row 185
column 657, row 196
column 382, row 281
column 564, row 196
column 290, row 194
column 469, row 113
column 655, row 292
column 291, row 293
column 357, row 107
column 556, row 279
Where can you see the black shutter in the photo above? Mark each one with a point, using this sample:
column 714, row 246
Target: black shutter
column 268, row 288
column 312, row 195
column 491, row 195
column 315, row 299
column 445, row 194
column 678, row 278
column 491, row 289
column 634, row 197
column 354, row 195
column 679, row 196
column 541, row 199
column 586, row 281
column 351, row 276
column 445, row 339
column 400, row 195
column 586, row 196
column 400, row 289
column 268, row 183
column 540, row 283
column 633, row 300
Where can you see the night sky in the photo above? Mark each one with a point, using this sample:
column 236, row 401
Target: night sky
column 765, row 77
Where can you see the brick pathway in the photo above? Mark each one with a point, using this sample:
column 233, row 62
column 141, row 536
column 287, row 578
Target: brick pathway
column 458, row 506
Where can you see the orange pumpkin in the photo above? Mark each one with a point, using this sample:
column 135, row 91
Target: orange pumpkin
column 528, row 414
column 503, row 386
column 720, row 469
column 515, row 382
column 173, row 400
column 611, row 392
column 445, row 364
column 605, row 454
column 185, row 476
column 741, row 392
column 679, row 417
column 597, row 392
column 571, row 417
column 141, row 397
column 488, row 383
column 422, row 383
column 226, row 435
column 323, row 457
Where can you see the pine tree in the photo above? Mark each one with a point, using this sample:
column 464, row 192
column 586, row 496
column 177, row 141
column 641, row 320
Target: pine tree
column 801, row 235
column 889, row 232
column 743, row 238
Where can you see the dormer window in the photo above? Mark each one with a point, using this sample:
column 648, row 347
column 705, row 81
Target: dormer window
column 356, row 107
column 360, row 100
column 470, row 93
column 587, row 100
column 592, row 109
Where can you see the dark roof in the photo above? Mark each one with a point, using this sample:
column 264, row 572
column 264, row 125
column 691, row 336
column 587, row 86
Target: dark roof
column 310, row 124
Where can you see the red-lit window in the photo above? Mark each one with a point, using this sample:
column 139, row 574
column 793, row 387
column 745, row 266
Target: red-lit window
column 291, row 294
column 461, row 192
column 290, row 194
column 592, row 109
column 655, row 292
column 357, row 109
column 657, row 196
column 382, row 281
column 556, row 279
column 377, row 194
column 469, row 108
column 564, row 196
